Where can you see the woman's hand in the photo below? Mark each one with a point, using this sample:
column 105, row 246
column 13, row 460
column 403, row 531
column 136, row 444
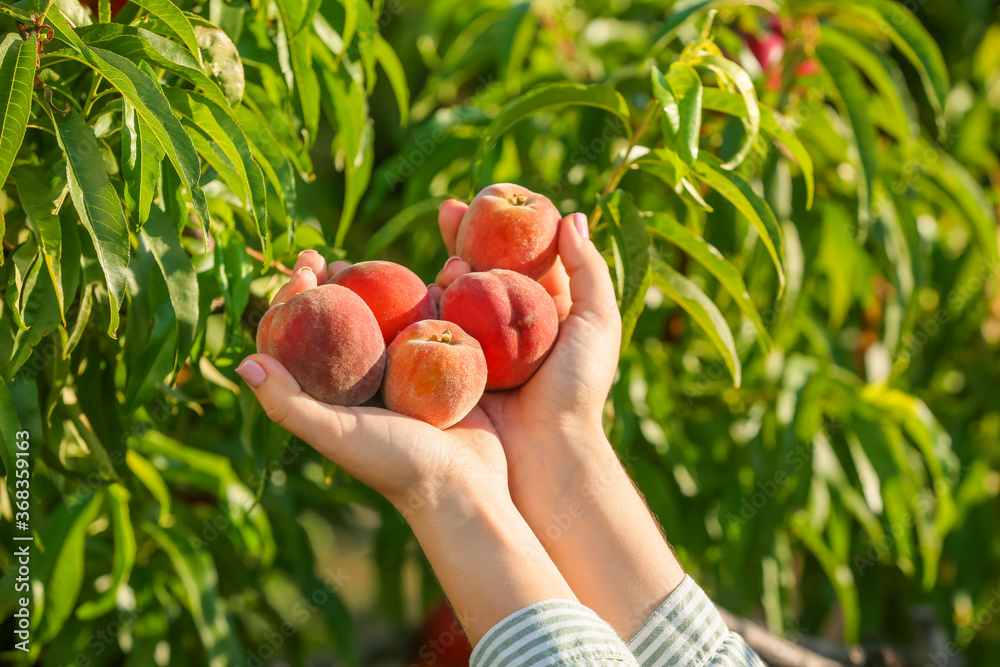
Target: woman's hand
column 450, row 485
column 565, row 478
column 564, row 400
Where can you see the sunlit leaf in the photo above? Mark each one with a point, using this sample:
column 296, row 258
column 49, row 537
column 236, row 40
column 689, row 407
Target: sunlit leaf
column 708, row 256
column 17, row 76
column 732, row 186
column 97, row 204
column 706, row 314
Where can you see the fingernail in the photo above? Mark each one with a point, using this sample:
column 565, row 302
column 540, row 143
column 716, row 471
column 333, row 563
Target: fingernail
column 580, row 222
column 307, row 250
column 252, row 373
column 451, row 260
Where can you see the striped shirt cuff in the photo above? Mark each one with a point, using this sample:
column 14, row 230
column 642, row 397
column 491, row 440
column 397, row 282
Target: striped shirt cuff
column 688, row 630
column 552, row 632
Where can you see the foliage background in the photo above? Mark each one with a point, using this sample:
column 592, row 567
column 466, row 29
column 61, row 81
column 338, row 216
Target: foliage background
column 846, row 489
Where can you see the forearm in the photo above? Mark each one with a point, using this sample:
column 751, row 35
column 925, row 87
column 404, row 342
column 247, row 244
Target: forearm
column 487, row 559
column 600, row 533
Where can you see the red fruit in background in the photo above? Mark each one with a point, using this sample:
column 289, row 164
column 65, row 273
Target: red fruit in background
column 442, row 641
column 509, row 227
column 808, row 68
column 116, row 6
column 768, row 49
column 513, row 318
column 396, row 296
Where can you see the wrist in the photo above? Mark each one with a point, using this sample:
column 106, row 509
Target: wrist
column 487, row 559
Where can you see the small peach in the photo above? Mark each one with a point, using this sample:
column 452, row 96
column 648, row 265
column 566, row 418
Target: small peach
column 396, row 296
column 434, row 372
column 509, row 227
column 513, row 318
column 330, row 342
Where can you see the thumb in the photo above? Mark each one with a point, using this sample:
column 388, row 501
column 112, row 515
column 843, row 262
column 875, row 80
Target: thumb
column 590, row 286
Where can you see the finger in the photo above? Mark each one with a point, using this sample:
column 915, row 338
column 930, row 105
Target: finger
column 335, row 268
column 303, row 279
column 590, row 286
column 288, row 406
column 449, row 217
column 435, row 291
column 452, row 269
column 556, row 283
column 363, row 441
column 314, row 261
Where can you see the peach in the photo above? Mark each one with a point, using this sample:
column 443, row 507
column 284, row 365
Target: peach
column 397, row 296
column 509, row 227
column 434, row 372
column 330, row 342
column 513, row 318
column 264, row 329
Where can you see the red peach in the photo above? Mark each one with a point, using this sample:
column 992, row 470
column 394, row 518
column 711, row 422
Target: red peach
column 397, row 297
column 264, row 329
column 509, row 227
column 435, row 372
column 329, row 341
column 513, row 318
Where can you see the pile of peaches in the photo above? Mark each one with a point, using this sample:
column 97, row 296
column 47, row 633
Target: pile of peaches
column 374, row 325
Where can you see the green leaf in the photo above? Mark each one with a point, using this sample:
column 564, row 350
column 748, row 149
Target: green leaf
column 141, row 159
column 174, row 18
column 629, row 243
column 179, row 273
column 266, row 151
column 400, row 223
column 389, row 61
column 852, row 96
column 203, row 115
column 138, row 44
column 706, row 314
column 125, row 550
column 732, row 186
column 63, row 565
column 305, row 81
column 199, row 576
column 687, row 89
column 896, row 121
column 353, row 147
column 547, row 98
column 838, row 572
column 17, row 79
column 145, row 95
column 82, row 317
column 709, row 257
column 38, row 202
column 671, row 119
column 8, row 415
column 959, row 186
column 147, row 473
column 97, row 204
column 771, row 123
column 908, row 34
column 727, row 70
column 223, row 61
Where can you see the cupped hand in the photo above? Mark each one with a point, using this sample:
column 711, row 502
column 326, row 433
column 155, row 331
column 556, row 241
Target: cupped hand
column 563, row 402
column 411, row 463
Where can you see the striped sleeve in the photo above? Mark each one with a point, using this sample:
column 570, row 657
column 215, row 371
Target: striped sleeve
column 687, row 630
column 552, row 632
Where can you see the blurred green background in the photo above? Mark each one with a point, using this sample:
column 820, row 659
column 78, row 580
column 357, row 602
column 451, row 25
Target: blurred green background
column 822, row 449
